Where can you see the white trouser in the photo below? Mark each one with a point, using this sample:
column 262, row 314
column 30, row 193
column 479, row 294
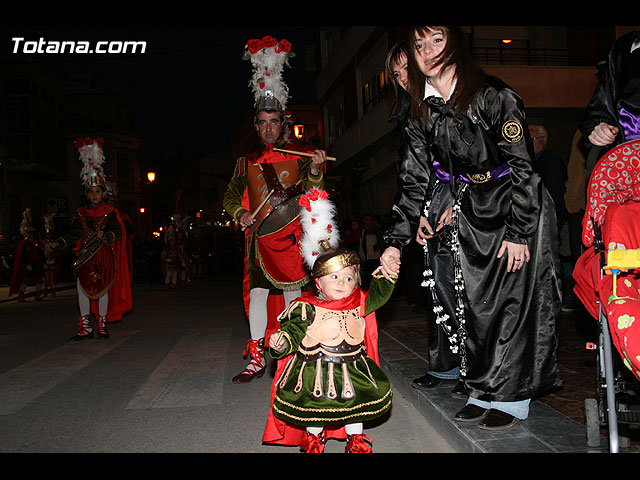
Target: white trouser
column 258, row 309
column 84, row 302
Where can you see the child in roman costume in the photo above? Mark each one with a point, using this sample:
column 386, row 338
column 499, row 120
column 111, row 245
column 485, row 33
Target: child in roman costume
column 99, row 239
column 29, row 262
column 330, row 381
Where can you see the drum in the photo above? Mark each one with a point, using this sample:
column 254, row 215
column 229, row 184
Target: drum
column 87, row 250
column 277, row 246
column 95, row 268
column 280, row 216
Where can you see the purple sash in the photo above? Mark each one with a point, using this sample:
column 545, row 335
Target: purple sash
column 494, row 174
column 630, row 123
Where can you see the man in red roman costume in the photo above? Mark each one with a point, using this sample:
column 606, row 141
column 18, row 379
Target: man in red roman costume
column 98, row 237
column 262, row 196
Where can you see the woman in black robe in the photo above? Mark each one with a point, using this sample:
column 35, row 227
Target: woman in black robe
column 432, row 265
column 471, row 129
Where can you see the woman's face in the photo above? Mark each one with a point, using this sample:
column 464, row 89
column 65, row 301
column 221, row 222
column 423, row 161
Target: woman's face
column 400, row 71
column 428, row 46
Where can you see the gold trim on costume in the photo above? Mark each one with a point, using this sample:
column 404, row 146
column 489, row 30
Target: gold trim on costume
column 479, row 177
column 334, row 419
column 512, row 131
column 335, row 264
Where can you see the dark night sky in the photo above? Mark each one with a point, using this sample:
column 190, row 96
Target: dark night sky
column 189, row 89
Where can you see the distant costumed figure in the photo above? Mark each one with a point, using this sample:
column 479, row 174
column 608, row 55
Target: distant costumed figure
column 171, row 258
column 98, row 238
column 262, row 197
column 28, row 266
column 52, row 257
column 328, row 380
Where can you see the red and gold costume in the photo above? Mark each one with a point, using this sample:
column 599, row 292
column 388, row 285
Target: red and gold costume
column 271, row 261
column 108, row 269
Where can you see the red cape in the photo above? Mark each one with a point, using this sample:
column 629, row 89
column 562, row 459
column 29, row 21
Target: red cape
column 18, row 269
column 120, row 297
column 282, row 433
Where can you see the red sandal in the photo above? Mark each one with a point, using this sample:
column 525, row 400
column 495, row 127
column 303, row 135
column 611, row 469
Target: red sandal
column 313, row 443
column 255, row 349
column 358, row 443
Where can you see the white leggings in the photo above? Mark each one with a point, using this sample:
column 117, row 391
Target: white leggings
column 84, row 302
column 350, row 428
column 258, row 309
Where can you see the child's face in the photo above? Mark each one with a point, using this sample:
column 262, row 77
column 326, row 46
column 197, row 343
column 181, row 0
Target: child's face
column 340, row 284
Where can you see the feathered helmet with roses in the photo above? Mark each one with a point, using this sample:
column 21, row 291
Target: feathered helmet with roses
column 92, row 158
column 268, row 58
column 320, row 243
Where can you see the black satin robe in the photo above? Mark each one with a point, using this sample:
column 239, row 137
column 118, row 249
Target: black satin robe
column 510, row 318
column 414, row 183
column 618, row 89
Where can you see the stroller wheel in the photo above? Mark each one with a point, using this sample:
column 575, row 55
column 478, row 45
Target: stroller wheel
column 592, row 420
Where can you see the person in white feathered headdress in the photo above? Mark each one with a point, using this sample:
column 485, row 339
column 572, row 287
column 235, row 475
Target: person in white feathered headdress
column 271, row 176
column 98, row 237
column 268, row 58
column 331, row 342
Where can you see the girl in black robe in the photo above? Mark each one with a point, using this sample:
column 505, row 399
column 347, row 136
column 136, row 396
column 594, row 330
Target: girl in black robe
column 471, row 129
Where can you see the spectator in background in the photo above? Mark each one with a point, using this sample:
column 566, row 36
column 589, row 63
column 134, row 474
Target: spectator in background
column 613, row 114
column 551, row 169
column 371, row 245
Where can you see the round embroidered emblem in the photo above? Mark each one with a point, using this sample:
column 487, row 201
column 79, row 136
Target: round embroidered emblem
column 512, row 131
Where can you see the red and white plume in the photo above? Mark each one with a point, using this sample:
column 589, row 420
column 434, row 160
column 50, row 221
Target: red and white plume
column 319, row 229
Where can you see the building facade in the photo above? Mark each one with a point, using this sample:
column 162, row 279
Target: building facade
column 553, row 68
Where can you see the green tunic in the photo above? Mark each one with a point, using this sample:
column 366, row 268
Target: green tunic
column 335, row 381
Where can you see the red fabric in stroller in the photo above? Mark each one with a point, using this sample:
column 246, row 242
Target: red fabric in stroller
column 614, row 203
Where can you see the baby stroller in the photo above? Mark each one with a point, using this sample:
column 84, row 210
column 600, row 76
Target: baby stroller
column 608, row 284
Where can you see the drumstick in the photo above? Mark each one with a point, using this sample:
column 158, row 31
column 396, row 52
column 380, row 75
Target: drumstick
column 255, row 212
column 302, row 154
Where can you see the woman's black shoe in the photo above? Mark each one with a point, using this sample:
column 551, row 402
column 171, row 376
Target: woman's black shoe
column 497, row 420
column 426, row 381
column 470, row 413
column 459, row 391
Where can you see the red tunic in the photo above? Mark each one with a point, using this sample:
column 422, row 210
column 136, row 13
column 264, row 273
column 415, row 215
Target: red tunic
column 120, row 297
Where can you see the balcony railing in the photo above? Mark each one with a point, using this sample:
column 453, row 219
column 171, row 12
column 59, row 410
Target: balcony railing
column 510, row 55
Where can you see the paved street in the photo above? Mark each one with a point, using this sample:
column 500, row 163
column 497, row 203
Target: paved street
column 161, row 383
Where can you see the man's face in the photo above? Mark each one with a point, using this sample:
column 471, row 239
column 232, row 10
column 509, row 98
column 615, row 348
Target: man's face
column 269, row 126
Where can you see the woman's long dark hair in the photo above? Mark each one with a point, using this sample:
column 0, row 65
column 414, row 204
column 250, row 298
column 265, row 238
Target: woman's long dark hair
column 393, row 57
column 456, row 53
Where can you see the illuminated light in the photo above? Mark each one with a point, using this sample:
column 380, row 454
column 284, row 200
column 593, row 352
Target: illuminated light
column 151, row 176
column 506, row 40
column 141, row 209
column 298, row 131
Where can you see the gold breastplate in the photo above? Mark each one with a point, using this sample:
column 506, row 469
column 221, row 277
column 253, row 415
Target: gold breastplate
column 334, row 336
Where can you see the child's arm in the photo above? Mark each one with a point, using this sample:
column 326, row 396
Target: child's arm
column 380, row 292
column 293, row 327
